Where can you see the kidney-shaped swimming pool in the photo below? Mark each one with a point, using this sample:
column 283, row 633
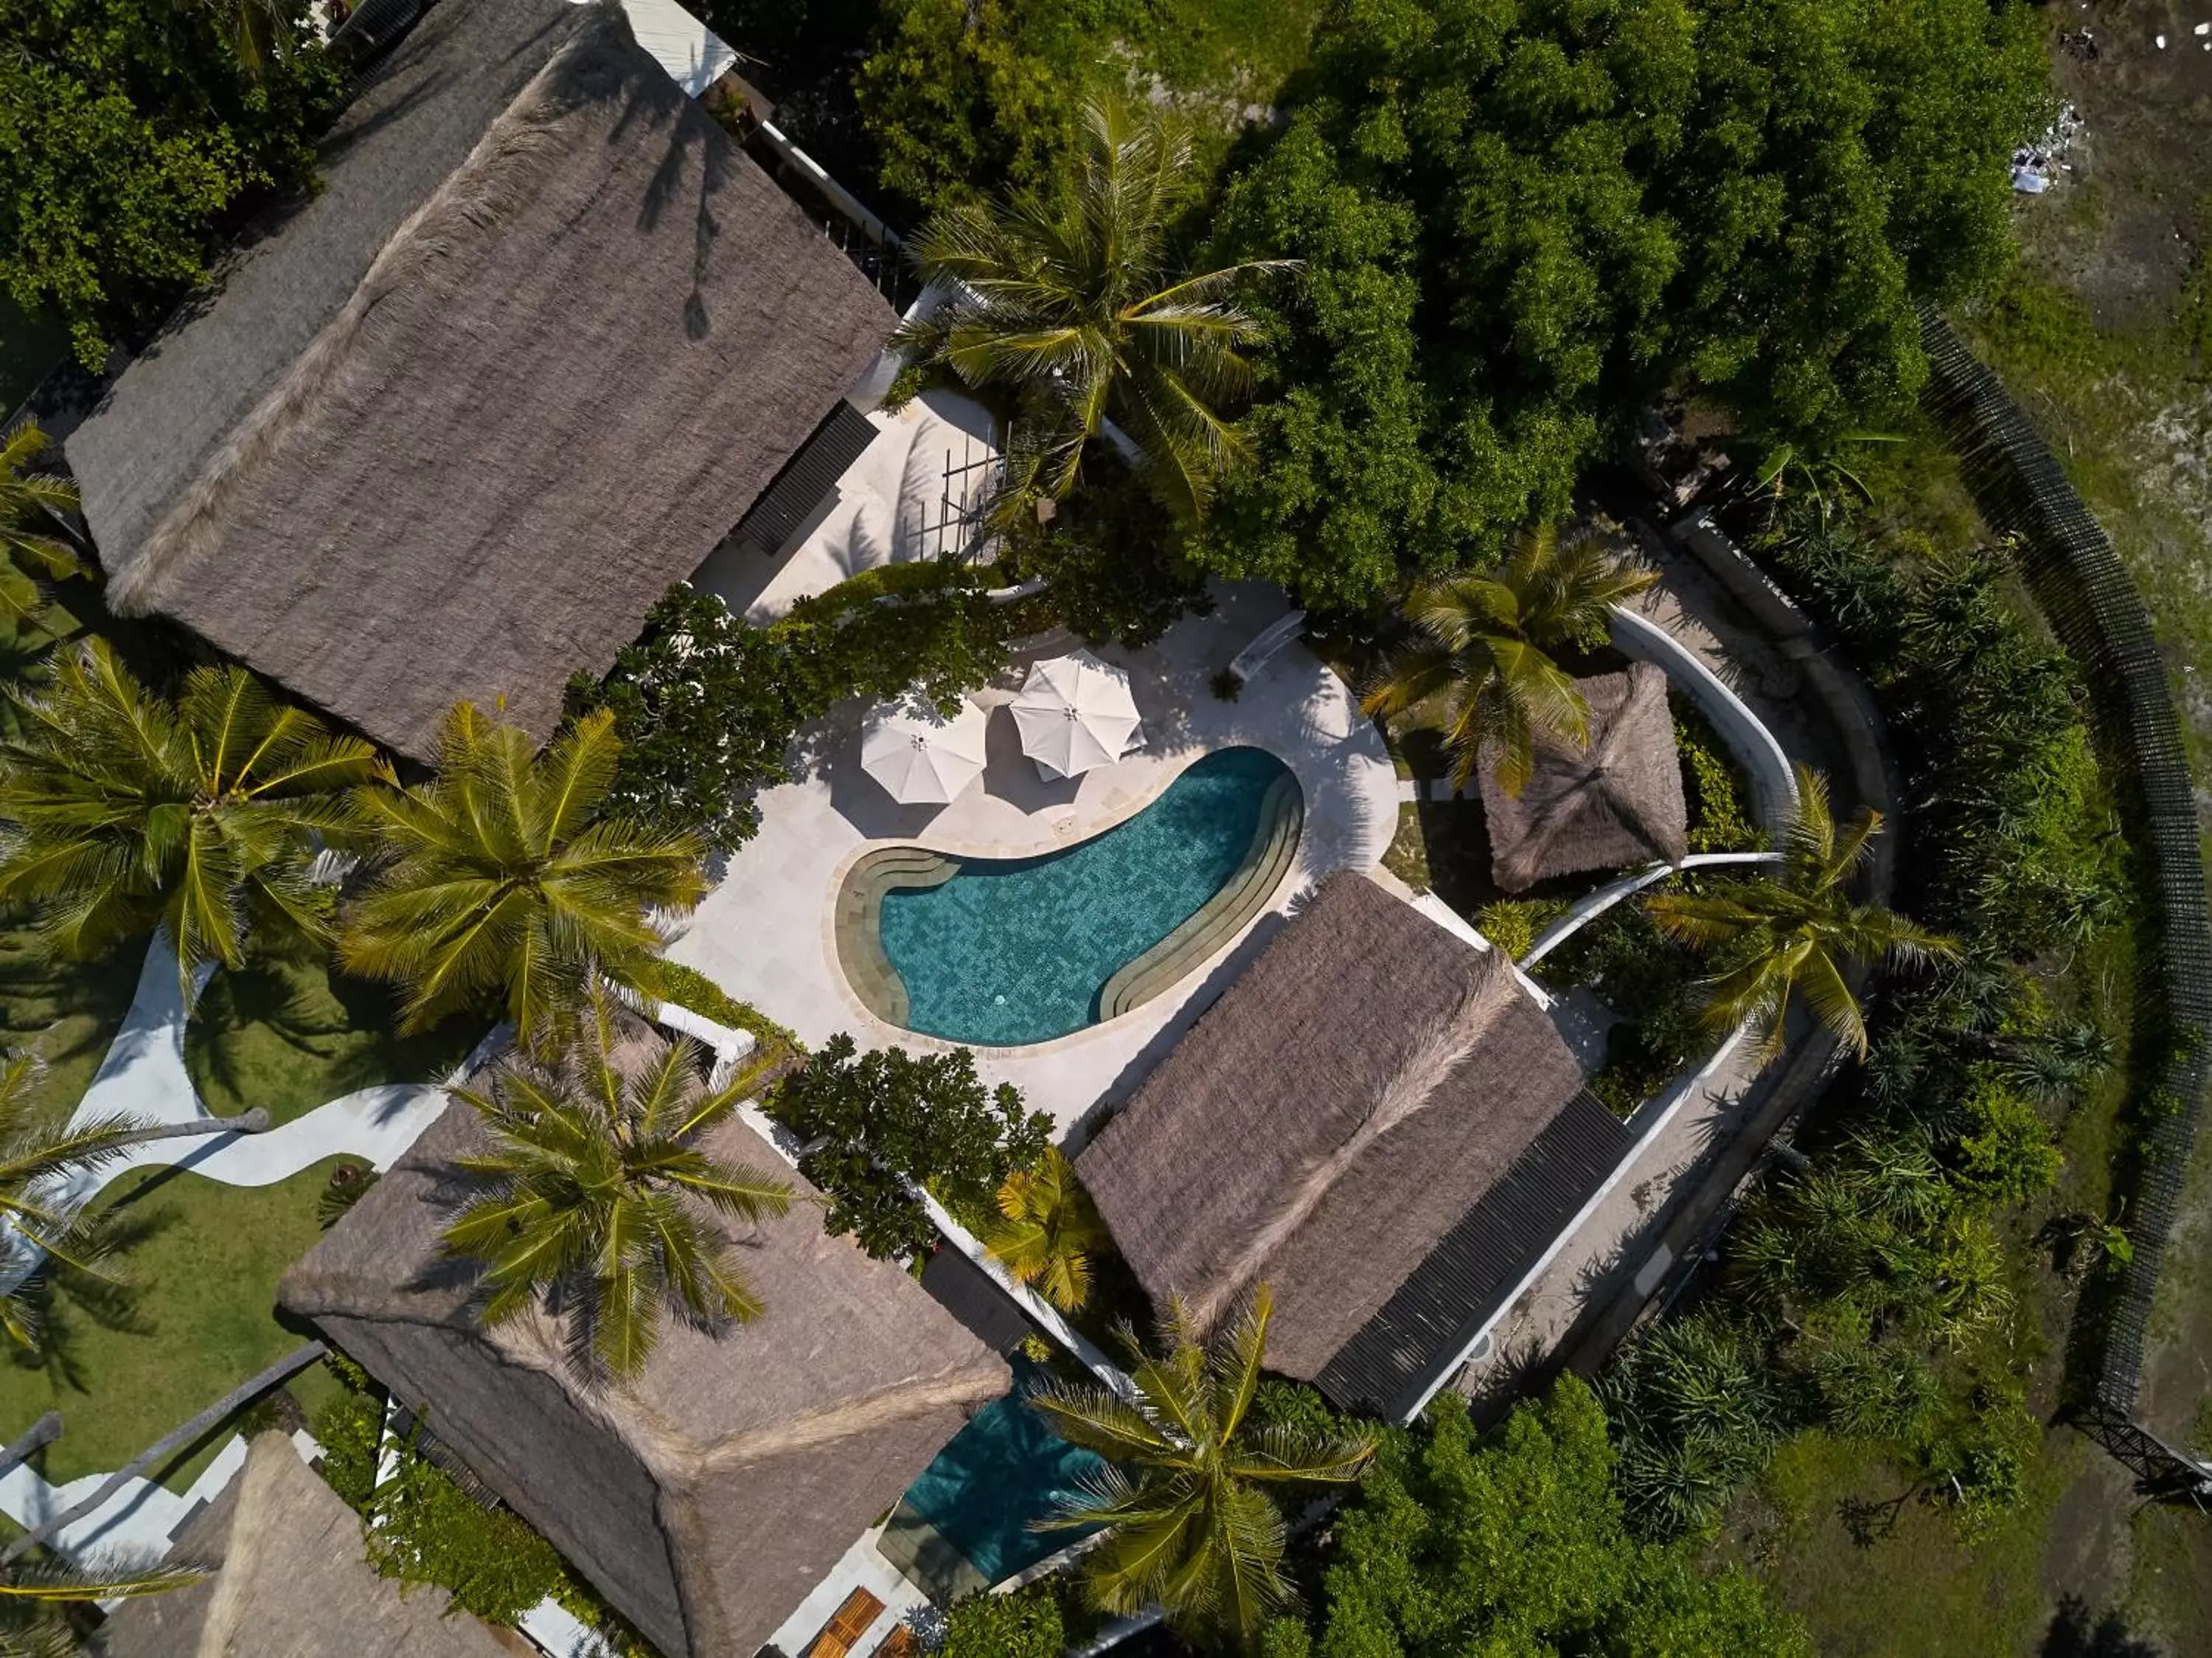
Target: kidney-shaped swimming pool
column 1002, row 952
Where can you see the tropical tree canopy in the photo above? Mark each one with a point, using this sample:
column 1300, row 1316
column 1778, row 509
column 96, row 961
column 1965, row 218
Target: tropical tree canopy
column 38, row 1594
column 1483, row 670
column 1048, row 1231
column 1187, row 1494
column 499, row 878
column 1517, row 220
column 1793, row 933
column 594, row 1187
column 41, row 1163
column 1513, row 1542
column 127, row 128
column 33, row 506
column 124, row 811
column 1076, row 304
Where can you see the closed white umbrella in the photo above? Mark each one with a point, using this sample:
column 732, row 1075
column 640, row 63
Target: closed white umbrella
column 1075, row 712
column 921, row 757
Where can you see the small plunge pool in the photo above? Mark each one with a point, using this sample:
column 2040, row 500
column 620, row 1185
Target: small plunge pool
column 1004, row 952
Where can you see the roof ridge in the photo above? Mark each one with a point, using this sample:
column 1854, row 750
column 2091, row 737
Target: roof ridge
column 469, row 199
column 1417, row 1080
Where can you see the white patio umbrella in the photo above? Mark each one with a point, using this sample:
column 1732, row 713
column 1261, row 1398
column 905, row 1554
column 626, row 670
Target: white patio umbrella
column 921, row 757
column 1075, row 712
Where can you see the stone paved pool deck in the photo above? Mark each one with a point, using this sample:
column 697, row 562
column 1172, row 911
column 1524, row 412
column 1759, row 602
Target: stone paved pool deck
column 765, row 933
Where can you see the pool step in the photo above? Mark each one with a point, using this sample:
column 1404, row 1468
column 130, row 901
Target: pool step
column 858, row 921
column 1274, row 847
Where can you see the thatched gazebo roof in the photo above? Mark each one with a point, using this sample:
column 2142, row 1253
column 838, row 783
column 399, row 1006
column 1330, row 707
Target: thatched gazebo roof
column 451, row 427
column 1376, row 1120
column 1616, row 803
column 288, row 1573
column 707, row 1494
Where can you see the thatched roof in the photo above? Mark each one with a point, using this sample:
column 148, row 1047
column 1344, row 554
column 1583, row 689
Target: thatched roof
column 706, row 1495
column 449, row 429
column 288, row 1577
column 1355, row 1094
column 1615, row 802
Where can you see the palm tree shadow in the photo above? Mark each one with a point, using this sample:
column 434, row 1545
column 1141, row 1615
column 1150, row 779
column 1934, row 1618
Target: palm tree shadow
column 66, row 1298
column 258, row 995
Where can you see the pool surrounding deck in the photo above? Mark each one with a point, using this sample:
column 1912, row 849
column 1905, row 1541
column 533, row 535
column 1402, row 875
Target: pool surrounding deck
column 1004, row 951
column 767, row 932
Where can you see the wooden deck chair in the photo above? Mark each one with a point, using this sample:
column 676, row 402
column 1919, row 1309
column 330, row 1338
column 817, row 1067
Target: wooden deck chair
column 842, row 1632
column 899, row 1643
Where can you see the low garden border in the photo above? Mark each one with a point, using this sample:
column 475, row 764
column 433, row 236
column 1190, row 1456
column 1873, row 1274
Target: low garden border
column 2095, row 608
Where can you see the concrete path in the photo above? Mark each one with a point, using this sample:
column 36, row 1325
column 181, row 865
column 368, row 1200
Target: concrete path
column 144, row 1077
column 138, row 1520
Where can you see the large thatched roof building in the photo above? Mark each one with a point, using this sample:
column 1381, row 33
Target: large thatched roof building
column 287, row 1577
column 1615, row 802
column 1375, row 1119
column 450, row 428
column 706, row 1497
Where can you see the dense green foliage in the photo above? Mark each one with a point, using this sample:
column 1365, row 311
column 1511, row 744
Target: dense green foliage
column 128, row 130
column 687, row 987
column 1866, row 1290
column 1029, row 1623
column 428, row 1530
column 36, row 509
column 1646, row 977
column 1716, row 789
column 1514, row 1543
column 1517, row 220
column 888, row 1117
column 706, row 705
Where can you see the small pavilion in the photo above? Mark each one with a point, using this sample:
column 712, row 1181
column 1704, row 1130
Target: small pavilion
column 1614, row 802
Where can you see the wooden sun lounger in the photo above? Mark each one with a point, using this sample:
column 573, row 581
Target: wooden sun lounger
column 843, row 1630
column 899, row 1643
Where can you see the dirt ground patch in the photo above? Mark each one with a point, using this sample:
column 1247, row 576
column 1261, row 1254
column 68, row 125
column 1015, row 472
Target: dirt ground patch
column 2128, row 217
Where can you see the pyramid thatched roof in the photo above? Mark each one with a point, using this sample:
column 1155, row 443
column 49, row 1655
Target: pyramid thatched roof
column 705, row 1496
column 288, row 1577
column 1365, row 1089
column 1616, row 801
column 450, row 428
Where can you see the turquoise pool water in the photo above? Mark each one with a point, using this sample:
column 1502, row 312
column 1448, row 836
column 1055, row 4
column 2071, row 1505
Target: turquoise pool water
column 1005, row 1470
column 1008, row 952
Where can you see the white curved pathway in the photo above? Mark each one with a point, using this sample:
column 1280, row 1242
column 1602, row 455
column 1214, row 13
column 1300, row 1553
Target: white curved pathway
column 143, row 1077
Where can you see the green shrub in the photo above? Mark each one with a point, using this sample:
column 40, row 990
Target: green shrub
column 880, row 1120
column 1514, row 924
column 1026, row 1623
column 431, row 1530
column 688, row 988
column 2005, row 1149
column 706, row 705
column 1717, row 791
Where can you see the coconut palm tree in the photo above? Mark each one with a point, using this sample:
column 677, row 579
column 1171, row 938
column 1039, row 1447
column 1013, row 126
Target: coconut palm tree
column 1794, row 932
column 1484, row 671
column 499, row 878
column 126, row 811
column 594, row 1185
column 34, row 507
column 38, row 1597
column 1048, row 1231
column 1075, row 303
column 1184, row 1495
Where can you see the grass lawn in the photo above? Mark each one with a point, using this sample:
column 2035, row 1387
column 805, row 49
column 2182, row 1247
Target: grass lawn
column 1908, row 1584
column 66, row 1012
column 197, row 1318
column 294, row 1035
